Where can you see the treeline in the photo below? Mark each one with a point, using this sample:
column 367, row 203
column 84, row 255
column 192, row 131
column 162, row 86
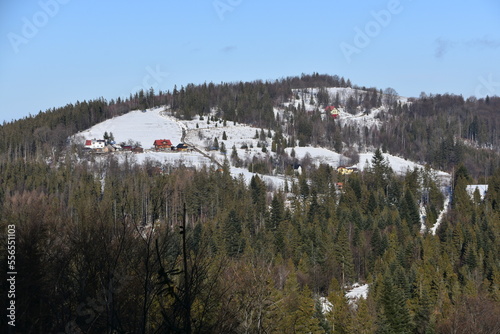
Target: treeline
column 445, row 131
column 46, row 134
column 98, row 249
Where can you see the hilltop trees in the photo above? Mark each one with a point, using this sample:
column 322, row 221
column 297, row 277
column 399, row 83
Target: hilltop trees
column 390, row 96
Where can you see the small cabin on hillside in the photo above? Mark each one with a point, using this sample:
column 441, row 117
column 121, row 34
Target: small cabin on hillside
column 182, row 147
column 162, row 144
column 333, row 111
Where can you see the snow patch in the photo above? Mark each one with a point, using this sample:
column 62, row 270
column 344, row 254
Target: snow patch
column 276, row 182
column 441, row 215
column 482, row 188
column 325, row 305
column 357, row 292
column 319, row 155
column 423, row 216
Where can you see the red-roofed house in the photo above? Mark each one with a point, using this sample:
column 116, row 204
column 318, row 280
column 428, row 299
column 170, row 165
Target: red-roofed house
column 95, row 144
column 333, row 111
column 162, row 144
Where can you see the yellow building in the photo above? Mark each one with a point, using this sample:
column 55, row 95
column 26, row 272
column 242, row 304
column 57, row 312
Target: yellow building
column 342, row 170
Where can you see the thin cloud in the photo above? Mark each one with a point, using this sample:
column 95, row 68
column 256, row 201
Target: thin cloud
column 229, row 48
column 483, row 43
column 443, row 46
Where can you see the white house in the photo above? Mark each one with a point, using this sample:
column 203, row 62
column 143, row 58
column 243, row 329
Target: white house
column 95, row 144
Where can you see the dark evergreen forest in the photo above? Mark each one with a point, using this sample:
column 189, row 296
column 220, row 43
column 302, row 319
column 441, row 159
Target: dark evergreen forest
column 120, row 248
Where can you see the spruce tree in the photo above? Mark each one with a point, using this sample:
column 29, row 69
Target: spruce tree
column 396, row 316
column 215, row 144
column 364, row 320
column 343, row 255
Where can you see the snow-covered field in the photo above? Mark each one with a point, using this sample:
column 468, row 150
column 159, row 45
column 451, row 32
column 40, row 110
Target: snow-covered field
column 138, row 126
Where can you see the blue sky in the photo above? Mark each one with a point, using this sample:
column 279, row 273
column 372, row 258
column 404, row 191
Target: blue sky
column 54, row 52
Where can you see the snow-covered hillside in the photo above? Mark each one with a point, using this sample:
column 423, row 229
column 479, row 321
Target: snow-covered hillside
column 138, row 126
column 200, row 133
column 241, row 136
column 318, row 155
column 398, row 165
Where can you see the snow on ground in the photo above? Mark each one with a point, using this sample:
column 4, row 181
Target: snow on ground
column 237, row 135
column 319, row 155
column 138, row 126
column 355, row 293
column 326, row 305
column 441, row 215
column 360, row 119
column 145, row 127
column 399, row 165
column 188, row 159
column 358, row 291
column 482, row 188
column 276, row 182
column 241, row 136
column 423, row 216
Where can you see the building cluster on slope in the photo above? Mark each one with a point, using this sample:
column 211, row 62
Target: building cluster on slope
column 166, row 144
column 105, row 146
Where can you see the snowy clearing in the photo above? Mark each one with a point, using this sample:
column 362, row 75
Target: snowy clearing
column 138, row 126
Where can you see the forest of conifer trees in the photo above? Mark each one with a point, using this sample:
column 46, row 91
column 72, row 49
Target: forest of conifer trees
column 120, row 248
